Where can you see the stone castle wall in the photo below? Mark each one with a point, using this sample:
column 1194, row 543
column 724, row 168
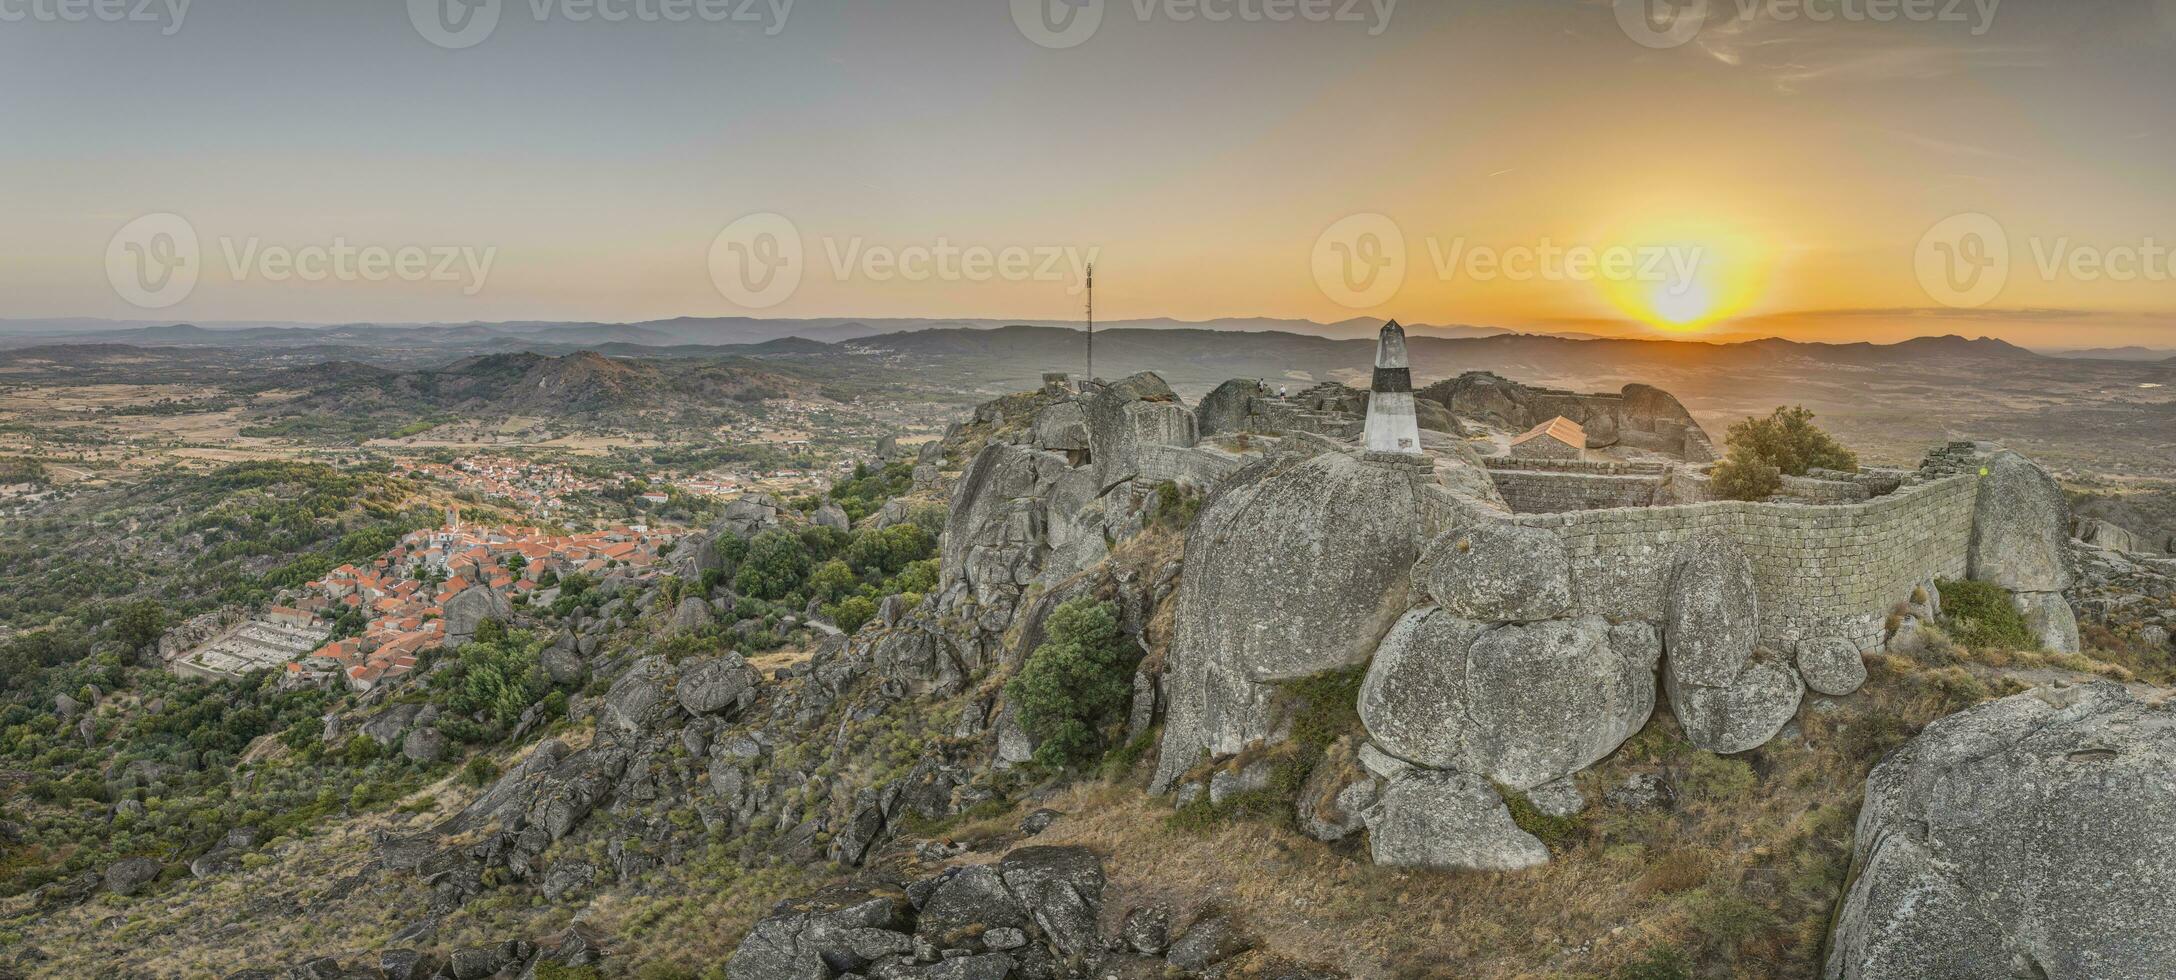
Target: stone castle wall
column 1532, row 485
column 1820, row 570
column 1549, row 492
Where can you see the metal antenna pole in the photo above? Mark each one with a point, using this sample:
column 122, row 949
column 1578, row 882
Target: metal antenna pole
column 1091, row 321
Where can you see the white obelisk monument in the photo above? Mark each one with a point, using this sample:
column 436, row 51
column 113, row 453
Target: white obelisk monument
column 1392, row 426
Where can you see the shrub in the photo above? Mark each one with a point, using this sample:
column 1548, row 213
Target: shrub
column 1978, row 614
column 1741, row 476
column 851, row 612
column 1788, row 440
column 776, row 564
column 1763, row 450
column 1076, row 684
column 480, row 771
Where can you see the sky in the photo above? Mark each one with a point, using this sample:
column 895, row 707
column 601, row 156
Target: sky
column 1815, row 169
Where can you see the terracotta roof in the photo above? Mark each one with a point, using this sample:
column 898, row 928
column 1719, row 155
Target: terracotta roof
column 1561, row 429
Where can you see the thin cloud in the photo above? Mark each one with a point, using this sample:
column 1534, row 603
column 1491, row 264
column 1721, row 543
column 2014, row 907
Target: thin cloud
column 1795, row 56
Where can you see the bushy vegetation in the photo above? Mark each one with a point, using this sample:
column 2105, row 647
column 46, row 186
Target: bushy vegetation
column 192, row 542
column 1075, row 688
column 1763, row 450
column 1980, row 615
column 21, row 469
column 867, row 491
column 495, row 678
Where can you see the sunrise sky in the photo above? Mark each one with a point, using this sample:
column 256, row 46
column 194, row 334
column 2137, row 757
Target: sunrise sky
column 1803, row 162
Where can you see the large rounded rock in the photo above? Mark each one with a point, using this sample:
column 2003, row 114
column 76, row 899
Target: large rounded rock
column 1831, row 665
column 2026, row 837
column 1523, row 705
column 470, row 607
column 2049, row 618
column 1712, row 615
column 1742, row 714
column 129, row 875
column 2020, row 528
column 629, row 704
column 1294, row 567
column 1062, row 428
column 1496, row 572
column 1228, row 408
column 692, row 614
column 1448, row 821
column 424, row 745
column 715, row 684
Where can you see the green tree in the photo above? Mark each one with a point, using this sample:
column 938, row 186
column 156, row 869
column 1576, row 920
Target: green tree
column 1763, row 450
column 851, row 612
column 1077, row 685
column 833, row 581
column 775, row 567
column 140, row 623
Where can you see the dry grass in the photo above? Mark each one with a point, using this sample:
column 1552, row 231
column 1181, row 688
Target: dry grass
column 1739, row 877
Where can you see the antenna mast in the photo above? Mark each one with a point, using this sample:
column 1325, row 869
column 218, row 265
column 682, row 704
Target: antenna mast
column 1091, row 321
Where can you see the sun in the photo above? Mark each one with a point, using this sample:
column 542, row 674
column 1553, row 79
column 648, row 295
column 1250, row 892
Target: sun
column 1681, row 274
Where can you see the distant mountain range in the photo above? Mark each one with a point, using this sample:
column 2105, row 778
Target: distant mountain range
column 2132, row 353
column 680, row 331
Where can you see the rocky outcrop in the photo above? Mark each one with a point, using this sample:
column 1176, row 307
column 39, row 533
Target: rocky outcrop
column 2048, row 616
column 1743, row 714
column 470, row 607
column 1712, row 613
column 2026, row 837
column 129, row 875
column 1725, row 697
column 1294, row 566
column 1520, row 704
column 997, row 537
column 1640, row 416
column 1494, row 571
column 1037, row 912
column 1228, row 408
column 716, row 684
column 1127, row 417
column 2019, row 528
column 1448, row 821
